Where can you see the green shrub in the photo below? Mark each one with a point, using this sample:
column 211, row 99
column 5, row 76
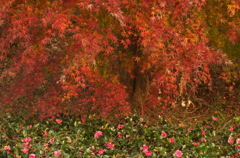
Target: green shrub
column 71, row 137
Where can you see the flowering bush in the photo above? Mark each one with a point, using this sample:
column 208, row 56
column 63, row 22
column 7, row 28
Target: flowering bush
column 93, row 137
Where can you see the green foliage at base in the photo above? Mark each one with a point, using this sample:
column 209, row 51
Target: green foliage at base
column 133, row 137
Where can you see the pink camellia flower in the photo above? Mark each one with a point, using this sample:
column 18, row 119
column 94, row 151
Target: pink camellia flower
column 56, row 153
column 93, row 148
column 25, row 150
column 58, row 121
column 164, row 134
column 98, row 134
column 171, row 140
column 32, row 156
column 26, row 140
column 231, row 129
column 203, row 132
column 238, row 140
column 215, row 119
column 51, row 140
column 148, row 153
column 231, row 140
column 45, row 134
column 26, row 145
column 178, row 153
column 45, row 145
column 202, row 140
column 190, row 129
column 109, row 145
column 82, row 119
column 7, row 148
column 237, row 147
column 100, row 151
column 5, row 138
column 195, row 144
column 120, row 135
column 144, row 147
column 120, row 126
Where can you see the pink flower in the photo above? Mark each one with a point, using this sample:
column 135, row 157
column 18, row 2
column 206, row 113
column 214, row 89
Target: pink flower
column 164, row 134
column 148, row 153
column 45, row 145
column 109, row 145
column 7, row 148
column 195, row 144
column 58, row 121
column 120, row 126
column 215, row 119
column 203, row 132
column 237, row 147
column 238, row 140
column 100, row 151
column 120, row 135
column 202, row 140
column 178, row 153
column 93, row 148
column 26, row 140
column 51, row 140
column 56, row 153
column 190, row 129
column 127, row 136
column 171, row 140
column 27, row 146
column 231, row 129
column 82, row 119
column 5, row 138
column 32, row 156
column 45, row 134
column 231, row 140
column 98, row 134
column 144, row 148
column 25, row 150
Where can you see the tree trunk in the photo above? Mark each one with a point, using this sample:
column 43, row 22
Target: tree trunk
column 141, row 87
column 138, row 87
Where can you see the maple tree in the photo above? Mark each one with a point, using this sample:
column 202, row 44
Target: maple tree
column 100, row 56
column 222, row 19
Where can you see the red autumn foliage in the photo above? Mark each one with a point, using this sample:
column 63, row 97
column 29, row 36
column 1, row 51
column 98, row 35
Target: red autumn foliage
column 68, row 56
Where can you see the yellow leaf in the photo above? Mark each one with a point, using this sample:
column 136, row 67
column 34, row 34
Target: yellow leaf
column 223, row 21
column 161, row 45
column 137, row 59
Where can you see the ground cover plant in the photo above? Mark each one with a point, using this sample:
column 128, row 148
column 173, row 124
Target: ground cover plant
column 133, row 137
